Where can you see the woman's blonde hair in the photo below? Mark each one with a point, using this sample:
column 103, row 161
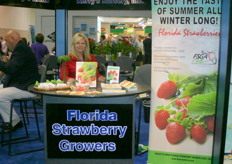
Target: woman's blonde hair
column 76, row 38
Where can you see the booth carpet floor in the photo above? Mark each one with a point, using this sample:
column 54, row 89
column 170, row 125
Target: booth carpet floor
column 38, row 157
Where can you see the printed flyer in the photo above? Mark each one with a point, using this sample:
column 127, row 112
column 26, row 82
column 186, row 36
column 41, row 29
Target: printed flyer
column 185, row 54
column 112, row 75
column 86, row 73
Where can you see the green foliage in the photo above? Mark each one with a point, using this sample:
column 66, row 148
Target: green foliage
column 113, row 48
column 201, row 88
column 64, row 58
column 202, row 105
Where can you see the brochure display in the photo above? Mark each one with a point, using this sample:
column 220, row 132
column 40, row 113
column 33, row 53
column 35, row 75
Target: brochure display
column 112, row 74
column 86, row 73
column 185, row 48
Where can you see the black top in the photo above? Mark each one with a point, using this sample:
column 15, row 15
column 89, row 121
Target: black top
column 147, row 50
column 21, row 71
column 147, row 46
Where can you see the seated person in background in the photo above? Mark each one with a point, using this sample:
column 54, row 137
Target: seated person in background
column 2, row 77
column 53, row 50
column 4, row 48
column 79, row 52
column 21, row 71
column 39, row 48
column 2, row 74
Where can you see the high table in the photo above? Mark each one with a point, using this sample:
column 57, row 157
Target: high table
column 90, row 128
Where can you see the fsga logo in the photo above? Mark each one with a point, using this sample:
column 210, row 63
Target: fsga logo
column 209, row 57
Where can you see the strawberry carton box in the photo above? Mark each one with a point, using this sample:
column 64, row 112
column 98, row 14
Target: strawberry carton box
column 86, row 73
column 112, row 74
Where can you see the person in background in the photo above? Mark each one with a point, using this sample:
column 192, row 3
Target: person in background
column 133, row 40
column 21, row 71
column 1, row 52
column 39, row 48
column 140, row 43
column 25, row 40
column 4, row 48
column 53, row 50
column 2, row 74
column 111, row 39
column 79, row 52
column 139, row 58
column 147, row 43
column 4, row 58
column 102, row 39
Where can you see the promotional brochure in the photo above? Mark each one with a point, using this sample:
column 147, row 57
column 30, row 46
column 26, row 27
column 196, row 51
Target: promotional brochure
column 86, row 73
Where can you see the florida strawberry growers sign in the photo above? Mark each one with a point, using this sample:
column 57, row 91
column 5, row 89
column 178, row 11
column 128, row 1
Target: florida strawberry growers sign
column 185, row 48
column 89, row 131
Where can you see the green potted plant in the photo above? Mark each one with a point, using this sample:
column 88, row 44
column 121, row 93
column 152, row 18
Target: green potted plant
column 63, row 59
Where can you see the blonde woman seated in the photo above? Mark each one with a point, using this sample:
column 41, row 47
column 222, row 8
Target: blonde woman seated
column 79, row 52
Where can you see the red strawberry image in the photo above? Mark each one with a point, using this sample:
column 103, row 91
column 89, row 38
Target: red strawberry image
column 183, row 102
column 198, row 133
column 161, row 117
column 210, row 123
column 92, row 78
column 80, row 69
column 175, row 132
column 167, row 89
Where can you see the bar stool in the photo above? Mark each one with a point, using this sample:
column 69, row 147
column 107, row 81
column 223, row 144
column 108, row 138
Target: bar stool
column 24, row 138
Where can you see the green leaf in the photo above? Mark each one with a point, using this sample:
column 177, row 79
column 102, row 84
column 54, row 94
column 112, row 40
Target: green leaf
column 210, row 84
column 202, row 105
column 186, row 122
column 171, row 112
column 177, row 77
column 110, row 77
column 37, row 84
column 171, row 120
column 193, row 88
column 179, row 115
column 64, row 58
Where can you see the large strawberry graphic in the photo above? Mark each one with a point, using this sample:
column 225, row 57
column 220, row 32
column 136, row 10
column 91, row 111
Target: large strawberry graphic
column 175, row 132
column 161, row 117
column 183, row 102
column 210, row 123
column 167, row 89
column 198, row 133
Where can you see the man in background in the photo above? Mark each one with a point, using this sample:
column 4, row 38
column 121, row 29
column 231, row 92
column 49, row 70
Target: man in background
column 39, row 48
column 21, row 71
column 147, row 43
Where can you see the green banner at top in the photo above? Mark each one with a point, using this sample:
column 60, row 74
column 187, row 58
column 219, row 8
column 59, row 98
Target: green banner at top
column 81, row 4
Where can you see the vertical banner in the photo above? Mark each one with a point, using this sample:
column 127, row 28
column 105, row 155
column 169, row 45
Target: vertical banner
column 32, row 33
column 185, row 48
column 228, row 145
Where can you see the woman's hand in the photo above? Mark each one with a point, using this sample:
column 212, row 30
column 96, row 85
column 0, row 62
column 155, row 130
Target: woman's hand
column 101, row 79
column 5, row 59
column 71, row 81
